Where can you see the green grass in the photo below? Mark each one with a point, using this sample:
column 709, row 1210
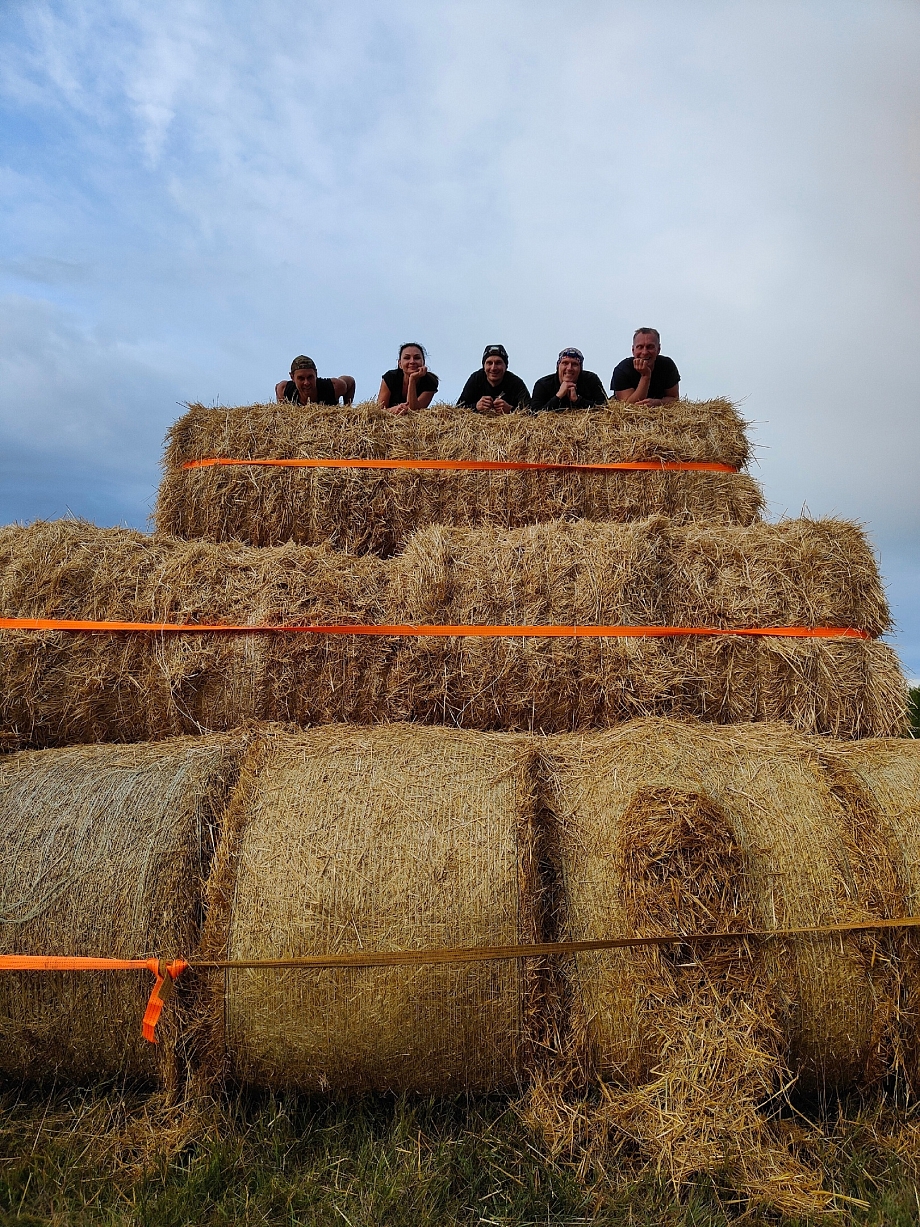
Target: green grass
column 913, row 709
column 87, row 1157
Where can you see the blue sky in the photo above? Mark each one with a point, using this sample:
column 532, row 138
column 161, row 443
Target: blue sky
column 196, row 191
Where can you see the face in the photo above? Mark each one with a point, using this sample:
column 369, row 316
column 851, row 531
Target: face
column 411, row 359
column 569, row 370
column 495, row 368
column 645, row 346
column 305, row 383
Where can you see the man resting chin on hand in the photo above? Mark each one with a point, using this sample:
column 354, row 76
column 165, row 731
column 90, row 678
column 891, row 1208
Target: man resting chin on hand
column 648, row 377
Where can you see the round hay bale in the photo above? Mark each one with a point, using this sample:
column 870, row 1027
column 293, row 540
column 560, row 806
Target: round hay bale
column 761, row 835
column 392, row 838
column 886, row 773
column 103, row 852
column 378, row 510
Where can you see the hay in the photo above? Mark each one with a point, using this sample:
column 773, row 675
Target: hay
column 882, row 778
column 59, row 688
column 396, row 838
column 377, row 511
column 103, row 851
column 668, row 826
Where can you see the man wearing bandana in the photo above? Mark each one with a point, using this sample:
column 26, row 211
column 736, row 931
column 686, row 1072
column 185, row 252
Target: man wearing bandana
column 572, row 387
column 306, row 388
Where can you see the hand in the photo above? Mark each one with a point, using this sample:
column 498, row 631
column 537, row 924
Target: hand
column 484, row 404
column 398, row 410
column 648, row 401
column 422, row 370
column 567, row 391
column 500, row 405
column 643, row 366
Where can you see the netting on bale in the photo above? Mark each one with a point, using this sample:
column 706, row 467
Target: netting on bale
column 103, row 853
column 58, row 688
column 665, row 826
column 378, row 510
column 394, row 838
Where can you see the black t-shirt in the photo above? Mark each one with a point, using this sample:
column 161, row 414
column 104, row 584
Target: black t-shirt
column 394, row 381
column 589, row 388
column 664, row 375
column 512, row 389
column 325, row 393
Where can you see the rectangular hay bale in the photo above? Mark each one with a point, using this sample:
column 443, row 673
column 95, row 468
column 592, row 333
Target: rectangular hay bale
column 373, row 510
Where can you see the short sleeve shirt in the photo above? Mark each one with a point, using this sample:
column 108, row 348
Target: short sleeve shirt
column 664, row 375
column 394, row 381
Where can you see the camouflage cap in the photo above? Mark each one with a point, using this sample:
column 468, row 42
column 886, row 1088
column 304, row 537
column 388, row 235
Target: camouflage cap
column 302, row 363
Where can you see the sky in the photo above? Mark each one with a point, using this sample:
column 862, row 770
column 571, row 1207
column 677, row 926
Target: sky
column 195, row 191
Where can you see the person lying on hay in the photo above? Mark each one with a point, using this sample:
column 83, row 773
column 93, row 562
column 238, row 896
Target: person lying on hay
column 572, row 387
column 410, row 385
column 493, row 388
column 648, row 377
column 306, row 388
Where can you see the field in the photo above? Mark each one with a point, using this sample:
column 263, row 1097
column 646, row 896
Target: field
column 113, row 1158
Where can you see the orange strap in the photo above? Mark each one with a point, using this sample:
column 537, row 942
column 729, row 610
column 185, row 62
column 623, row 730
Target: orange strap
column 475, row 466
column 164, row 974
column 410, row 630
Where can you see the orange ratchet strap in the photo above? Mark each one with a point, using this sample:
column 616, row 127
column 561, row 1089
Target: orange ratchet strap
column 408, row 630
column 164, row 974
column 476, row 466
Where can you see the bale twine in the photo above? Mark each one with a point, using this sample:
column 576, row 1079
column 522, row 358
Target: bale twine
column 103, row 851
column 57, row 687
column 378, row 510
column 393, row 838
column 669, row 826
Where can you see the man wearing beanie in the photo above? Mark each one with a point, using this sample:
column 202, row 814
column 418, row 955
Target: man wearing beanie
column 306, row 388
column 493, row 388
column 572, row 387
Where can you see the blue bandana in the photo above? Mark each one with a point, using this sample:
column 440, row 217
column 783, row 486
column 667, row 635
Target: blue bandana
column 571, row 353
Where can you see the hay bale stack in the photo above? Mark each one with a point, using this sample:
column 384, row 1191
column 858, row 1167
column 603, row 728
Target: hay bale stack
column 378, row 510
column 748, row 828
column 57, row 687
column 103, row 852
column 396, row 838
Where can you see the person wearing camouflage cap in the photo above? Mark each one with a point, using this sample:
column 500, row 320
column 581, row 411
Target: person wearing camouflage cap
column 306, row 388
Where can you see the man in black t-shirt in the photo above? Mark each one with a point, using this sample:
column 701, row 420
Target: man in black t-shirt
column 648, row 377
column 493, row 388
column 572, row 387
column 306, row 388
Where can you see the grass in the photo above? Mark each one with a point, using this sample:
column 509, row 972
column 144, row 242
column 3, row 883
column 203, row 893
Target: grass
column 913, row 711
column 110, row 1157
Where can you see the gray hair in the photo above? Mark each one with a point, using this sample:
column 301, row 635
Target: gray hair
column 650, row 332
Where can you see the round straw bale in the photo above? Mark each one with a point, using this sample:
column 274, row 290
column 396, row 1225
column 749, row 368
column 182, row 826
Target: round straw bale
column 103, row 851
column 760, row 835
column 378, row 510
column 392, row 838
column 887, row 775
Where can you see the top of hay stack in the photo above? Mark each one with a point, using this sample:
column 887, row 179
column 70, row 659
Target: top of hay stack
column 685, row 430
